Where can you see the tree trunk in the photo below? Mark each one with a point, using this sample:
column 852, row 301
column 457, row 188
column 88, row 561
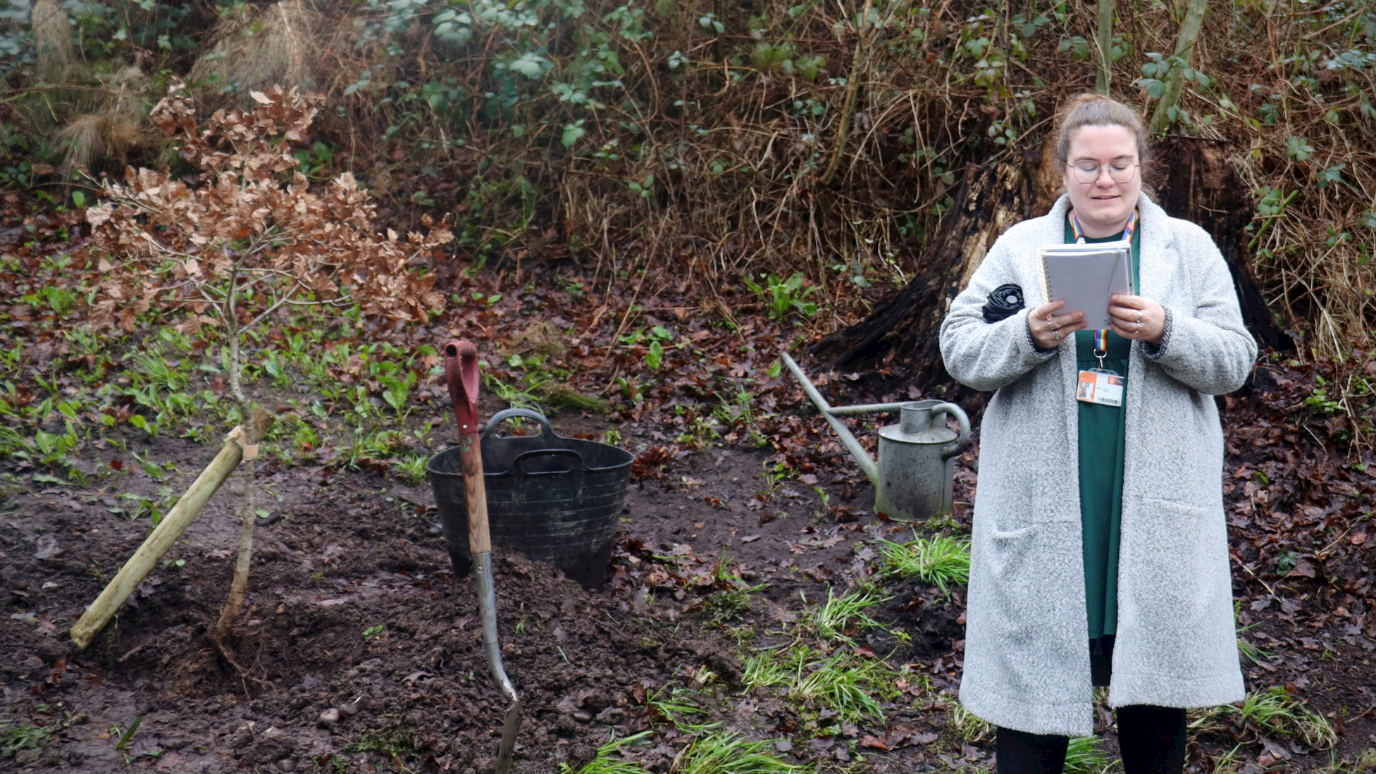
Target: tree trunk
column 1166, row 109
column 255, row 427
column 1196, row 182
column 1103, row 39
column 989, row 200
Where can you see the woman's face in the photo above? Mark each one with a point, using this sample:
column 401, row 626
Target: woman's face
column 1103, row 204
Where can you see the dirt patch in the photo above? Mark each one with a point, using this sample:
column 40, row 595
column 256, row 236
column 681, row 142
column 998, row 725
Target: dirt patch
column 361, row 652
column 358, row 643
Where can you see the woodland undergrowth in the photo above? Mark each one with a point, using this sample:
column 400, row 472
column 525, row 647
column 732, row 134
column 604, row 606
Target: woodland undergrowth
column 712, row 139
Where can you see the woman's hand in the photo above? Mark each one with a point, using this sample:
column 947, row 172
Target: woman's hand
column 1048, row 329
column 1137, row 318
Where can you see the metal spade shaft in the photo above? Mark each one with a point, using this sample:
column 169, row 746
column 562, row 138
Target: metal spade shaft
column 461, row 374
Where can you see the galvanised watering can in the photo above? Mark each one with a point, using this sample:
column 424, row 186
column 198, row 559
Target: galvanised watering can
column 916, row 468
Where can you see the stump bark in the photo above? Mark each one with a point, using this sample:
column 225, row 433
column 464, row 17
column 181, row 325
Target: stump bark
column 1194, row 182
column 989, row 200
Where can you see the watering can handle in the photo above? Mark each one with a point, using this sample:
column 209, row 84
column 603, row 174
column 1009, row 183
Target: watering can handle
column 962, row 440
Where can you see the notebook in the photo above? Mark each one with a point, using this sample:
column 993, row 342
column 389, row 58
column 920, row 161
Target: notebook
column 1084, row 276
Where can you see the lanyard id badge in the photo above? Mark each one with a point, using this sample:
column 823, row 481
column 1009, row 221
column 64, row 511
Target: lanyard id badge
column 1100, row 386
column 1103, row 386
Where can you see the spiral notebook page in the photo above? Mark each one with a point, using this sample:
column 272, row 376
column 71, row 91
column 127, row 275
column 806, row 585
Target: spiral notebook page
column 1085, row 276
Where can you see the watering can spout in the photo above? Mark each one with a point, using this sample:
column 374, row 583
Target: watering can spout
column 862, row 457
column 916, row 466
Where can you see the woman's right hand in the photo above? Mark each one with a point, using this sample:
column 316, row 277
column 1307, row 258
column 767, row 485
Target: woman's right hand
column 1050, row 330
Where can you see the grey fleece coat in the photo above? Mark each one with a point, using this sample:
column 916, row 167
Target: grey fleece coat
column 1026, row 639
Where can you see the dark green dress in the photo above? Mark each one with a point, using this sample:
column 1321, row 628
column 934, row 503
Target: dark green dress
column 1102, row 432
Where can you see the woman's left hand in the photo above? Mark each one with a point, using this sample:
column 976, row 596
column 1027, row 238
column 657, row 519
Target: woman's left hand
column 1137, row 318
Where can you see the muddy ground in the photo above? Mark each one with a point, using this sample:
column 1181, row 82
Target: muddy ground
column 361, row 651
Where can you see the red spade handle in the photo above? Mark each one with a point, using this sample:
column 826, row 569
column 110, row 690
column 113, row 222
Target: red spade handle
column 461, row 374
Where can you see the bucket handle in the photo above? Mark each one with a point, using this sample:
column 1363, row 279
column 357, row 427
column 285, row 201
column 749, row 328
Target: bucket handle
column 533, row 453
column 510, row 413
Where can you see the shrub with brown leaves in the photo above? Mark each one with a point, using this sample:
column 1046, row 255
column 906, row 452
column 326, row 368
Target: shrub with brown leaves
column 248, row 236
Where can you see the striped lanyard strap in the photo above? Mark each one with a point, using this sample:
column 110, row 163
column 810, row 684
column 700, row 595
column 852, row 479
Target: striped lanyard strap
column 1101, row 336
column 1079, row 233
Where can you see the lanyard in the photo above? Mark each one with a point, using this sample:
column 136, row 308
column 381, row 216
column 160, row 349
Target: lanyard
column 1101, row 336
column 1079, row 233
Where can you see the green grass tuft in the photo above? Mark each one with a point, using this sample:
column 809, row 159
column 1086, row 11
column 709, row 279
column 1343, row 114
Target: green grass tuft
column 411, row 468
column 941, row 561
column 730, row 753
column 849, row 685
column 606, row 762
column 679, row 702
column 16, row 736
column 1273, row 711
column 969, row 727
column 1086, row 755
column 838, row 615
column 1277, row 711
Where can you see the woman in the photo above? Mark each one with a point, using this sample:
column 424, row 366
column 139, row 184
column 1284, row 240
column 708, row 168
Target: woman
column 1099, row 548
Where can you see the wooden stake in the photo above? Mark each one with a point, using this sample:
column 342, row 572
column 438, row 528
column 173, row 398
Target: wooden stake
column 164, row 535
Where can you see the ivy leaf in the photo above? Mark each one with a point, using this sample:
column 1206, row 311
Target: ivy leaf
column 529, row 65
column 572, row 134
column 1333, row 174
column 1298, row 148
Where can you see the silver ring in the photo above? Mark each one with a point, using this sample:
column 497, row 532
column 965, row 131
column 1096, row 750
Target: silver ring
column 1138, row 329
column 1139, row 318
column 1057, row 334
column 1051, row 325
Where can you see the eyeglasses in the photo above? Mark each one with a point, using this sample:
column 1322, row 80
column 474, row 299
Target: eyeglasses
column 1088, row 172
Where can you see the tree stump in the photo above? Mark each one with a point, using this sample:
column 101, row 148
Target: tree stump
column 989, row 200
column 1195, row 182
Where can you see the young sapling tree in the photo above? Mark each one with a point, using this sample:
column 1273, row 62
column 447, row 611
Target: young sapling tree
column 245, row 238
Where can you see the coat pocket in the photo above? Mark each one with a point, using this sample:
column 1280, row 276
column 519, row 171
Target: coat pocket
column 1017, row 594
column 1175, row 582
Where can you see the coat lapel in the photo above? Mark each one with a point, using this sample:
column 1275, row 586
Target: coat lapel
column 1157, row 263
column 1156, row 256
column 1054, row 235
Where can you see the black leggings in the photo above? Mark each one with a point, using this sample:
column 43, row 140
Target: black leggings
column 1152, row 740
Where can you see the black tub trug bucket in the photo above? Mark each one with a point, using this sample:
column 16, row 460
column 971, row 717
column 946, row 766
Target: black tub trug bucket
column 551, row 498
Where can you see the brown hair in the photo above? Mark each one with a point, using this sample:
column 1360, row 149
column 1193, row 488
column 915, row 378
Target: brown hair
column 1098, row 110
